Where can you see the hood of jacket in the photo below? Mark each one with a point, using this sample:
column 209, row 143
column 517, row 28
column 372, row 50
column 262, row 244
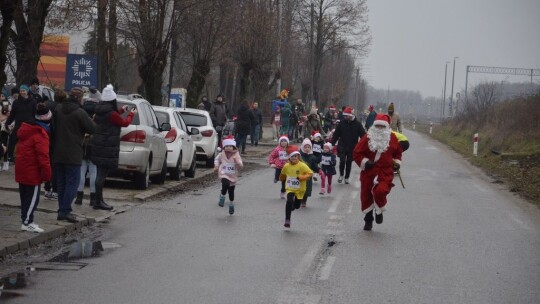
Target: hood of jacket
column 27, row 130
column 105, row 107
column 306, row 142
column 70, row 106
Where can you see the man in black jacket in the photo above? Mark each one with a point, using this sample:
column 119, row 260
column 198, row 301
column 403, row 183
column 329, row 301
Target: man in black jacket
column 22, row 110
column 347, row 134
column 256, row 124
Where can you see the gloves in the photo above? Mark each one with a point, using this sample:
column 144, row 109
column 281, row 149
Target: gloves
column 369, row 164
column 396, row 166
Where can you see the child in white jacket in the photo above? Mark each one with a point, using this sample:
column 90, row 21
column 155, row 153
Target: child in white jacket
column 227, row 163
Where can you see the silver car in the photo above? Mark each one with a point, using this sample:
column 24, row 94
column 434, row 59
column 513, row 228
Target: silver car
column 143, row 152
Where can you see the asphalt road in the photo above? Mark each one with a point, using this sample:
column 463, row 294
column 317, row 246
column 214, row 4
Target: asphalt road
column 452, row 236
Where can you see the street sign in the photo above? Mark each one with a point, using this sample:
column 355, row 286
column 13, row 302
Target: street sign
column 81, row 70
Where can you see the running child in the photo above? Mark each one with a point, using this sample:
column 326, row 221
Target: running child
column 317, row 142
column 328, row 167
column 295, row 173
column 227, row 164
column 309, row 159
column 278, row 158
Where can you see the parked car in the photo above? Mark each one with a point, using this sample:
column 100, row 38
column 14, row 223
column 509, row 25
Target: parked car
column 181, row 150
column 143, row 152
column 207, row 140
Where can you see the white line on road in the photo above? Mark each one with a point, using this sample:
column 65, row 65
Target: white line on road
column 334, row 205
column 327, row 268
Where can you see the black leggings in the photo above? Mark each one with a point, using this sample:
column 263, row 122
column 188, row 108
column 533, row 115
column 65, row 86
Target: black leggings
column 277, row 173
column 345, row 160
column 226, row 186
column 101, row 175
column 292, row 203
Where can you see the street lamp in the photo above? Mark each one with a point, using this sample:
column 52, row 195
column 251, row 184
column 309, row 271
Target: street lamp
column 444, row 91
column 452, row 91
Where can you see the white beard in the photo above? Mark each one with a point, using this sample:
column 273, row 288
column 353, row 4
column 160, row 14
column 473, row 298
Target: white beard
column 379, row 139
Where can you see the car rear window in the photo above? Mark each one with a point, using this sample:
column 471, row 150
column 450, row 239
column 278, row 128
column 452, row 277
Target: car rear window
column 195, row 120
column 135, row 120
column 162, row 117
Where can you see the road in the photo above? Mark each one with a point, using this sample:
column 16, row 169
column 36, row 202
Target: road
column 452, row 236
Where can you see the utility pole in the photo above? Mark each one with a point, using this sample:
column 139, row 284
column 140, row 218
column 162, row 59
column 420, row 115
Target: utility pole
column 278, row 81
column 452, row 91
column 356, row 91
column 311, row 50
column 444, row 92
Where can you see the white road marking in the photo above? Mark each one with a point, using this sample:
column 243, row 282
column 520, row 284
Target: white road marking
column 327, row 268
column 334, row 205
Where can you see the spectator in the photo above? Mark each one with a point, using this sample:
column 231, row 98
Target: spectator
column 243, row 126
column 218, row 114
column 71, row 125
column 51, row 189
column 256, row 124
column 206, row 103
column 285, row 120
column 371, row 117
column 4, row 132
column 312, row 124
column 106, row 141
column 34, row 91
column 395, row 122
column 33, row 166
column 330, row 118
column 276, row 123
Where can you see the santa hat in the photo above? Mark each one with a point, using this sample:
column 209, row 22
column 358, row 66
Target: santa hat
column 229, row 141
column 108, row 93
column 371, row 108
column 316, row 134
column 332, row 108
column 329, row 145
column 348, row 112
column 382, row 120
column 285, row 138
column 293, row 150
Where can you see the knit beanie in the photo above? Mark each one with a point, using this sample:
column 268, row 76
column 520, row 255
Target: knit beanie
column 43, row 113
column 391, row 107
column 24, row 87
column 76, row 92
column 108, row 93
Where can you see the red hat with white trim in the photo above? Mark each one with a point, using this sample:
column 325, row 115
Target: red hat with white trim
column 229, row 141
column 382, row 120
column 348, row 112
column 293, row 150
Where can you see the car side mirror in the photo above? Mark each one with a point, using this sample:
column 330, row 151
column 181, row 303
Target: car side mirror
column 194, row 131
column 165, row 126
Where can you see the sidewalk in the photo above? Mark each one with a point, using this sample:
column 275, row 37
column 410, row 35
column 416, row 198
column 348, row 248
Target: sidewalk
column 118, row 193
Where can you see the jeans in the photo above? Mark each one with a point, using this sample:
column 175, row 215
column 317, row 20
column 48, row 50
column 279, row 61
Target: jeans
column 67, row 177
column 241, row 139
column 88, row 165
column 255, row 131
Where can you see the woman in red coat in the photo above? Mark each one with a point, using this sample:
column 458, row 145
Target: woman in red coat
column 378, row 154
column 32, row 165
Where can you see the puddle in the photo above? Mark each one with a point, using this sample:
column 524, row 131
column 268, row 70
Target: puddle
column 11, row 286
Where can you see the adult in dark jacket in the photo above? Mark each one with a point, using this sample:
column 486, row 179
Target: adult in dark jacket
column 207, row 104
column 34, row 91
column 256, row 124
column 243, row 126
column 371, row 117
column 71, row 123
column 105, row 142
column 347, row 134
column 22, row 110
column 218, row 114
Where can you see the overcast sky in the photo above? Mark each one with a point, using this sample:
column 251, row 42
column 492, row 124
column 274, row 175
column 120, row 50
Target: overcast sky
column 412, row 40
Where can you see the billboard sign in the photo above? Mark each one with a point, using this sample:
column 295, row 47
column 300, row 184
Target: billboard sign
column 81, row 71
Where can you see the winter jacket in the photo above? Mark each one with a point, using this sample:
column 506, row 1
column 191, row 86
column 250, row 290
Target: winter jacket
column 328, row 163
column 347, row 133
column 105, row 142
column 278, row 103
column 218, row 114
column 312, row 125
column 257, row 117
column 278, row 157
column 22, row 110
column 370, row 119
column 395, row 122
column 32, row 165
column 71, row 123
column 228, row 166
column 244, row 120
column 229, row 128
column 285, row 116
column 317, row 148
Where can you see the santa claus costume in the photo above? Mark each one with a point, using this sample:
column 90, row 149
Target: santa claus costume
column 378, row 154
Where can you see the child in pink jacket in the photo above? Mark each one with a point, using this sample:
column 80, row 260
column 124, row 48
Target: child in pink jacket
column 227, row 163
column 278, row 158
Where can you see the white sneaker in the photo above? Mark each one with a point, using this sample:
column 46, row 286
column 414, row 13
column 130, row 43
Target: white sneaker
column 347, row 181
column 5, row 166
column 31, row 228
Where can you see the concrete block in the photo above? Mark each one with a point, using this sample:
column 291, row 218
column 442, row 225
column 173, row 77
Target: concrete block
column 24, row 244
column 13, row 247
column 55, row 233
column 38, row 239
column 3, row 252
column 70, row 228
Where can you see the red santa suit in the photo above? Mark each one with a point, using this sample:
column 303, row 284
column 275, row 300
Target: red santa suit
column 383, row 148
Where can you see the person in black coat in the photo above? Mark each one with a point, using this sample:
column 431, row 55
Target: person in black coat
column 22, row 110
column 243, row 126
column 347, row 134
column 256, row 124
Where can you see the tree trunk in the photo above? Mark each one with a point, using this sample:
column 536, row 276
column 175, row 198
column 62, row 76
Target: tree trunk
column 151, row 73
column 245, row 83
column 201, row 68
column 102, row 44
column 113, row 44
column 7, row 20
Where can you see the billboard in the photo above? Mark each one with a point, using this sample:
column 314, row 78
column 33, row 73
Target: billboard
column 53, row 50
column 81, row 71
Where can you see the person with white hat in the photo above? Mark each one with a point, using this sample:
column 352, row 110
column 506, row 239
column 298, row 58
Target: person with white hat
column 328, row 167
column 378, row 154
column 227, row 163
column 277, row 159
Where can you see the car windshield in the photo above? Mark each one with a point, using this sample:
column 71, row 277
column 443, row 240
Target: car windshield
column 192, row 119
column 162, row 117
column 135, row 120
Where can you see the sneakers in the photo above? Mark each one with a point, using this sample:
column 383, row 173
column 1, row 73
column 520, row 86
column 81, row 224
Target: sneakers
column 5, row 166
column 329, row 189
column 51, row 195
column 221, row 200
column 231, row 209
column 275, row 181
column 315, row 178
column 346, row 181
column 340, row 179
column 282, row 195
column 368, row 225
column 31, row 228
column 287, row 224
column 378, row 218
column 322, row 191
column 67, row 217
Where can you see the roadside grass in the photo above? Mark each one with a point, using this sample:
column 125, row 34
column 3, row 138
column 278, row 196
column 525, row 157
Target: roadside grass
column 511, row 156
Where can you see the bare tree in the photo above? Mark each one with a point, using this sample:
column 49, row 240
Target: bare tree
column 6, row 9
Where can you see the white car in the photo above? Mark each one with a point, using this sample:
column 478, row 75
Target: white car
column 143, row 153
column 181, row 150
column 207, row 139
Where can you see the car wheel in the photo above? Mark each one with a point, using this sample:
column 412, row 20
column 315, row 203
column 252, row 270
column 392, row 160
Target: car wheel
column 192, row 168
column 160, row 179
column 176, row 171
column 143, row 179
column 210, row 161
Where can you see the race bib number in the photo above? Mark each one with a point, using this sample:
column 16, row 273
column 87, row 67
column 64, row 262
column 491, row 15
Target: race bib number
column 277, row 118
column 293, row 183
column 283, row 155
column 326, row 160
column 228, row 168
column 317, row 148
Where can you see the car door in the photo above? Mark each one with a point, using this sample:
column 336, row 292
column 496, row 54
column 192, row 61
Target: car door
column 158, row 146
column 187, row 142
